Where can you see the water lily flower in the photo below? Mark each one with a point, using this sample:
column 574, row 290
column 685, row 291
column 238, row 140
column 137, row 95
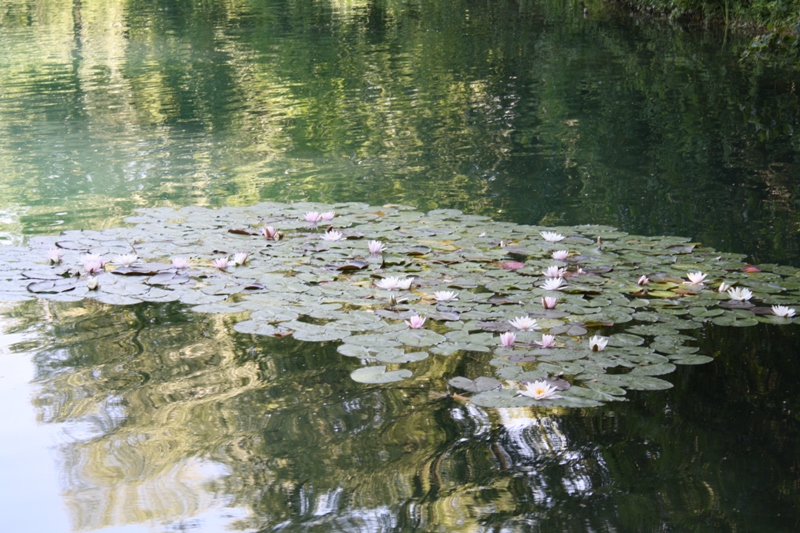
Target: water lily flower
column 549, row 302
column 560, row 255
column 268, row 232
column 539, row 390
column 312, row 216
column 644, row 280
column 739, row 293
column 551, row 236
column 327, row 215
column 126, row 260
column 376, row 247
column 507, row 339
column 524, row 323
column 240, row 258
column 54, row 255
column 782, row 311
column 695, row 278
column 553, row 284
column 220, row 263
column 723, row 287
column 92, row 283
column 180, row 262
column 445, row 296
column 415, row 322
column 332, row 236
column 548, row 341
column 554, row 272
column 391, row 283
column 93, row 263
column 598, row 343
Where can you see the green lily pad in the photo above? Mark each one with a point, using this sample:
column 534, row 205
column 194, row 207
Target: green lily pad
column 375, row 375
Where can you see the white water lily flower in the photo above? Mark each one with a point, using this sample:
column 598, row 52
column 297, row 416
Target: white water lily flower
column 553, row 284
column 644, row 280
column 554, row 272
column 327, row 215
column 539, row 390
column 548, row 341
column 782, row 311
column 332, row 236
column 560, row 255
column 180, row 262
column 391, row 283
column 376, row 247
column 723, row 287
column 551, row 236
column 739, row 293
column 507, row 339
column 54, row 255
column 445, row 296
column 415, row 322
column 92, row 283
column 312, row 216
column 695, row 278
column 598, row 343
column 126, row 260
column 549, row 302
column 524, row 323
column 220, row 263
column 240, row 258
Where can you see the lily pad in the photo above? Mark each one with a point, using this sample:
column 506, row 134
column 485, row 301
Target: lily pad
column 375, row 375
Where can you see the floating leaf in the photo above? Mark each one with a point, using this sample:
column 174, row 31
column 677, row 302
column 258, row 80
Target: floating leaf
column 374, row 375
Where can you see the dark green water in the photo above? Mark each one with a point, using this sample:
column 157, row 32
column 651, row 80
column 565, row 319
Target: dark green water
column 156, row 419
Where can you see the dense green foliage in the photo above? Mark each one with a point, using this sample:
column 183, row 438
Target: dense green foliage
column 777, row 22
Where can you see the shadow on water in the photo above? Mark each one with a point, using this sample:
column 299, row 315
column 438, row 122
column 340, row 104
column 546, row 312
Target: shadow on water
column 167, row 414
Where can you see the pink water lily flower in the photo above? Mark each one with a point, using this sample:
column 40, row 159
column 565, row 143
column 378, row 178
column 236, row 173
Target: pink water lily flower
column 220, row 263
column 93, row 263
column 54, row 255
column 415, row 322
column 507, row 339
column 180, row 262
column 549, row 302
column 539, row 390
column 268, row 232
column 644, row 280
column 548, row 341
column 560, row 255
column 312, row 216
column 327, row 215
column 376, row 247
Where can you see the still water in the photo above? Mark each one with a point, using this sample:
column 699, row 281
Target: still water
column 153, row 418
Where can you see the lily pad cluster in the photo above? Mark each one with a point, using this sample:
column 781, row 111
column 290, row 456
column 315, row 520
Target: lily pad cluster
column 324, row 278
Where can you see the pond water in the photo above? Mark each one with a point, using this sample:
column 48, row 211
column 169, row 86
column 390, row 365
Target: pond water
column 153, row 418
